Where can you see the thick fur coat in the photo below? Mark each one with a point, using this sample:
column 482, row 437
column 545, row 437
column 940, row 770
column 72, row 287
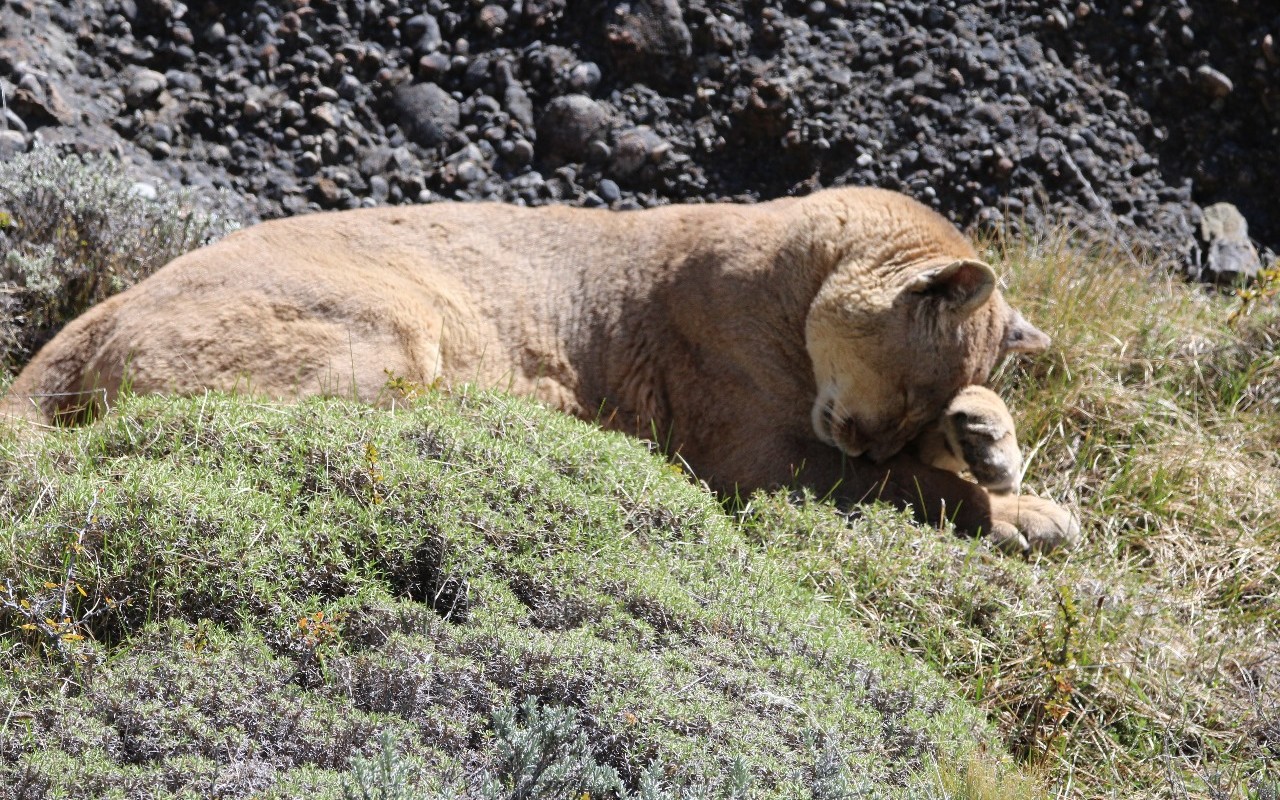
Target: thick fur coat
column 797, row 342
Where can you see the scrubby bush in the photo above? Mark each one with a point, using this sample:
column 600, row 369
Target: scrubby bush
column 543, row 753
column 74, row 231
column 302, row 580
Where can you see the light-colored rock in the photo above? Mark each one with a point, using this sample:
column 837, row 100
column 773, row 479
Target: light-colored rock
column 1230, row 254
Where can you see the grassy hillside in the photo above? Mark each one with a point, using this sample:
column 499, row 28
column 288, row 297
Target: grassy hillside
column 218, row 597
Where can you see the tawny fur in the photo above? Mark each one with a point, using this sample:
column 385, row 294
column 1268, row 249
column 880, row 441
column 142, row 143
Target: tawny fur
column 975, row 434
column 796, row 342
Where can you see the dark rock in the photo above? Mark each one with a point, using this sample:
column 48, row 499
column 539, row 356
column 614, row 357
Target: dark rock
column 649, row 38
column 349, row 87
column 145, row 88
column 1044, row 113
column 11, row 144
column 326, row 192
column 12, row 121
column 427, row 114
column 521, row 153
column 215, row 34
column 609, row 191
column 422, row 33
column 598, row 151
column 46, row 108
column 492, row 19
column 1213, row 81
column 518, row 105
column 568, row 126
column 635, row 148
column 435, row 65
column 326, row 116
column 584, row 77
column 31, row 84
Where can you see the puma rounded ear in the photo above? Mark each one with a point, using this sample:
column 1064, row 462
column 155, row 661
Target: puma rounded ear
column 963, row 285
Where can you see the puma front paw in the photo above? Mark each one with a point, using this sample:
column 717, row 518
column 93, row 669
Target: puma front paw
column 1025, row 523
column 975, row 434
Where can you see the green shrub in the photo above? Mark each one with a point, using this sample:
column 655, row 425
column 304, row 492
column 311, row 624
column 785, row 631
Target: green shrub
column 74, row 231
column 544, row 753
column 230, row 598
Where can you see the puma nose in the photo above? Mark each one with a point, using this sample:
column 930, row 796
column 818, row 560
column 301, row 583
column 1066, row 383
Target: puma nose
column 1022, row 337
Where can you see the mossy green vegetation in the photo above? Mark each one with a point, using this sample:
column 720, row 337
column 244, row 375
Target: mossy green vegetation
column 215, row 595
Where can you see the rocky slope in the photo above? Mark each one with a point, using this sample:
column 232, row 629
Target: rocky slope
column 1122, row 118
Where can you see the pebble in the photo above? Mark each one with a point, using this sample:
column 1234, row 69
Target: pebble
column 349, row 87
column 427, row 114
column 634, row 148
column 568, row 126
column 608, row 190
column 598, row 151
column 147, row 191
column 292, row 111
column 1213, row 81
column 517, row 103
column 1230, row 255
column 32, row 84
column 469, row 172
column 422, row 32
column 326, row 192
column 492, row 19
column 11, row 144
column 522, row 152
column 326, row 115
column 309, row 162
column 434, row 66
column 585, row 77
column 145, row 86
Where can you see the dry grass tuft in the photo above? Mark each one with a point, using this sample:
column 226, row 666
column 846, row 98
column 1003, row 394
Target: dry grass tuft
column 1159, row 416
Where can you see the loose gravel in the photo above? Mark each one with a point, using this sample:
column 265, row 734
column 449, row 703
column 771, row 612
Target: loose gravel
column 1119, row 118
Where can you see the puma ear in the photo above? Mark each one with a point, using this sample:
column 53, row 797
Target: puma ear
column 963, row 285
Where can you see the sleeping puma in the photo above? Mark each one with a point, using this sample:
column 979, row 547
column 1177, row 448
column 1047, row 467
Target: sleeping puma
column 802, row 341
